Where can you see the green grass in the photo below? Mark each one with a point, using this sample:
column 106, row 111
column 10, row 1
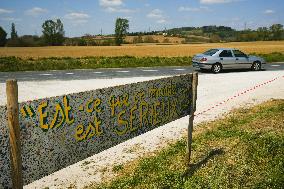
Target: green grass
column 243, row 150
column 13, row 64
column 10, row 64
column 273, row 57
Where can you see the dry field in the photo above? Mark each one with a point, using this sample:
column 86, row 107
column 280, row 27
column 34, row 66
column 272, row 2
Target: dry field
column 140, row 51
column 159, row 38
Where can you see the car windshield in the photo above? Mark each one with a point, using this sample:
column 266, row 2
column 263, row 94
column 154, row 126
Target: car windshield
column 211, row 52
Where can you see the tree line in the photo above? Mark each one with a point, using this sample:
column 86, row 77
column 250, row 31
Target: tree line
column 228, row 34
column 53, row 34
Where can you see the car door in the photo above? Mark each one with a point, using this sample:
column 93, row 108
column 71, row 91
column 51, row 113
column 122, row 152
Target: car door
column 226, row 58
column 242, row 60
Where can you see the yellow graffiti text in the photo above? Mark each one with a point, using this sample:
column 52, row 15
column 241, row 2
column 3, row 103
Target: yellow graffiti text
column 43, row 115
column 93, row 105
column 62, row 115
column 119, row 101
column 93, row 129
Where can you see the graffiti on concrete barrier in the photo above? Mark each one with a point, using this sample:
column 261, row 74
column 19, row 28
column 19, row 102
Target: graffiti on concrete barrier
column 131, row 112
column 59, row 131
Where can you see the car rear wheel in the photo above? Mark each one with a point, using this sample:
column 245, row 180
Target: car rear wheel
column 216, row 68
column 256, row 66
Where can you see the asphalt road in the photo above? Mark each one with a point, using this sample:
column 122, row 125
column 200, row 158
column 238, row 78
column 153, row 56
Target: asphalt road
column 111, row 73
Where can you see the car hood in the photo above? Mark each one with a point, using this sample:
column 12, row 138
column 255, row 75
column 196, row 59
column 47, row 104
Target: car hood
column 254, row 58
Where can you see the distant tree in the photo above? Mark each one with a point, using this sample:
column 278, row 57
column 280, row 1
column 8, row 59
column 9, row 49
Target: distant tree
column 263, row 33
column 26, row 41
column 14, row 34
column 14, row 41
column 253, row 36
column 121, row 27
column 277, row 31
column 3, row 36
column 53, row 32
column 82, row 42
column 215, row 38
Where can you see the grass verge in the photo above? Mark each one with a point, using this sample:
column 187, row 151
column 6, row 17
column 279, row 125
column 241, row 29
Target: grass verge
column 273, row 57
column 243, row 150
column 12, row 64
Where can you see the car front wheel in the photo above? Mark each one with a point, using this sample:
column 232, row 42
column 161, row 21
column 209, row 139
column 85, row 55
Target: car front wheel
column 256, row 66
column 216, row 68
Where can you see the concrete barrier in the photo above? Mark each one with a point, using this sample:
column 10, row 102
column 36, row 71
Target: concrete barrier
column 59, row 131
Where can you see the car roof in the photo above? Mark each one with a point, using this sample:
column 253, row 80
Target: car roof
column 225, row 48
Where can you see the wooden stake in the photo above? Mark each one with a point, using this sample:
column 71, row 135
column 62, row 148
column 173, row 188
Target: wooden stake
column 14, row 133
column 191, row 116
column 194, row 90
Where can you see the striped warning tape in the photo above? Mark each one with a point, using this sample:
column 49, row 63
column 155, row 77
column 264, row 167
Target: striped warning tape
column 239, row 94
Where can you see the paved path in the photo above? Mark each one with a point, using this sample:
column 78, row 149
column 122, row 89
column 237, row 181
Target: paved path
column 110, row 73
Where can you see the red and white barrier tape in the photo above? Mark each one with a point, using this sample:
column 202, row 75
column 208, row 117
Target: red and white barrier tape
column 238, row 94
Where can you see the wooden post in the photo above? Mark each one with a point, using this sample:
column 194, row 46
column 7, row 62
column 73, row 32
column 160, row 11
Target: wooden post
column 14, row 133
column 191, row 116
column 194, row 90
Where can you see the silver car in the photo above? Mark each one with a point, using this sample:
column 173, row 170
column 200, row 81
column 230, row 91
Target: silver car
column 226, row 58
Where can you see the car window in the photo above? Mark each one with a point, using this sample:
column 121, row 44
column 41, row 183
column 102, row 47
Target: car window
column 211, row 52
column 226, row 53
column 238, row 53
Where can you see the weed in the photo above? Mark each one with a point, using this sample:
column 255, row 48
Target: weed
column 117, row 168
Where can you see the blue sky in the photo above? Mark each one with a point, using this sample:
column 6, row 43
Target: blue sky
column 90, row 16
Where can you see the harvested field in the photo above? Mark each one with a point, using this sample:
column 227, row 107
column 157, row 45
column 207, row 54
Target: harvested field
column 139, row 51
column 157, row 38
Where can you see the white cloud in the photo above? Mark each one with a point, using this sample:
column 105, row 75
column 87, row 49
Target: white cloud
column 157, row 15
column 193, row 9
column 36, row 11
column 115, row 6
column 10, row 19
column 110, row 3
column 215, row 1
column 5, row 11
column 161, row 21
column 120, row 10
column 77, row 16
column 269, row 11
column 79, row 22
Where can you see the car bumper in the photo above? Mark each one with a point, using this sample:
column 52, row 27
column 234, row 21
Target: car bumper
column 201, row 65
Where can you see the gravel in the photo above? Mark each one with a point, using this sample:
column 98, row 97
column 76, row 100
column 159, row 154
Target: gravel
column 217, row 95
